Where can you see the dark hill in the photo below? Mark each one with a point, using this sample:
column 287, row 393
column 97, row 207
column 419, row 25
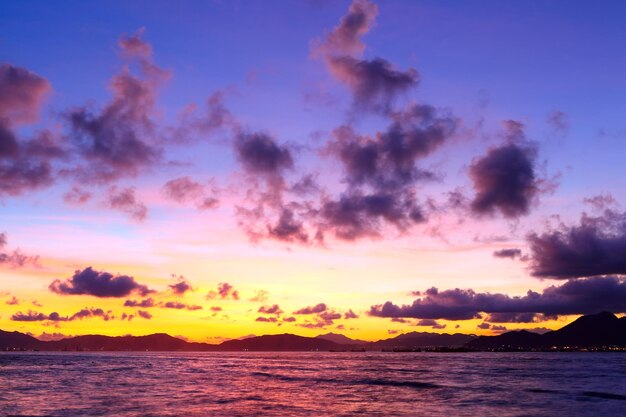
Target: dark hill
column 17, row 341
column 519, row 339
column 279, row 342
column 423, row 339
column 340, row 339
column 591, row 331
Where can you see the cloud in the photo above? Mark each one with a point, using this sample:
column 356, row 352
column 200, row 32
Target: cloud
column 24, row 164
column 389, row 160
column 430, row 323
column 22, row 93
column 30, row 316
column 13, row 301
column 145, row 303
column 261, row 155
column 77, row 196
column 266, row 319
column 505, row 179
column 180, row 306
column 582, row 296
column 185, row 189
column 559, row 122
column 119, row 140
column 144, row 314
column 181, row 286
column 381, row 173
column 98, row 284
column 597, row 246
column 224, row 291
column 345, row 38
column 601, row 201
column 374, row 82
column 318, row 308
column 355, row 215
column 350, row 315
column 54, row 316
column 511, row 253
column 125, row 200
column 260, row 296
column 15, row 258
column 288, row 228
column 273, row 309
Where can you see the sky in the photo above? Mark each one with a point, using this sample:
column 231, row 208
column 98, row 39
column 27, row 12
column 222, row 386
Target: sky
column 216, row 169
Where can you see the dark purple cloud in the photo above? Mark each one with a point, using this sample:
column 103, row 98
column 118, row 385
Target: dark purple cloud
column 224, row 291
column 273, row 309
column 29, row 316
column 513, row 317
column 181, row 286
column 54, row 316
column 180, row 306
column 381, row 173
column 25, row 165
column 261, row 155
column 145, row 303
column 266, row 319
column 356, row 215
column 288, row 228
column 119, row 139
column 430, row 323
column 511, row 253
column 505, row 179
column 125, row 200
column 144, row 314
column 375, row 83
column 389, row 160
column 350, row 315
column 597, row 246
column 318, row 308
column 98, row 284
column 582, row 296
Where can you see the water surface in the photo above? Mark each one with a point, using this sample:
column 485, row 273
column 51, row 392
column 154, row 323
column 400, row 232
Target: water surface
column 312, row 384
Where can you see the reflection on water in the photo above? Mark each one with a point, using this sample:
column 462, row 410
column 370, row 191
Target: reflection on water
column 312, row 384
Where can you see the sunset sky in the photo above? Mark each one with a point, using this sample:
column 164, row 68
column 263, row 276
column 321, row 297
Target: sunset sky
column 215, row 169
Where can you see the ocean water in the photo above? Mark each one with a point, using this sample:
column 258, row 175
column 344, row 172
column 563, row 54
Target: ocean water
column 312, row 384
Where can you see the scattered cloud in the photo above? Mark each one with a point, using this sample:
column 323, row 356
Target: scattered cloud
column 99, row 284
column 574, row 297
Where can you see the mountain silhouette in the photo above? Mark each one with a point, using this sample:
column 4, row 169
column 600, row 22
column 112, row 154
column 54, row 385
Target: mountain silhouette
column 340, row 339
column 422, row 339
column 592, row 331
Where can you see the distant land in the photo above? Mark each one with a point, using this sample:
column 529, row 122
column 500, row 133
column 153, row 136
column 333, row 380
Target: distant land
column 602, row 331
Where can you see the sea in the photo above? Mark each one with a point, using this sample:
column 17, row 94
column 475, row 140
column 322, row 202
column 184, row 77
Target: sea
column 312, row 384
